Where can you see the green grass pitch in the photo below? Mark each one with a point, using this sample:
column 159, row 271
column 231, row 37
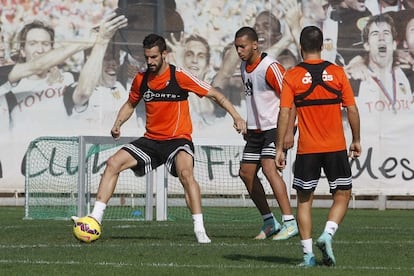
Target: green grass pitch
column 369, row 242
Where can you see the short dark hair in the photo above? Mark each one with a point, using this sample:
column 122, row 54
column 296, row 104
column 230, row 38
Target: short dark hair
column 249, row 32
column 380, row 18
column 311, row 39
column 153, row 40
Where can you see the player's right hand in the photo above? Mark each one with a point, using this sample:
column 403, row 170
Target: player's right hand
column 115, row 132
column 280, row 160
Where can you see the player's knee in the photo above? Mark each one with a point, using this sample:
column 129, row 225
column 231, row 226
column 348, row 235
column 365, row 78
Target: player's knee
column 185, row 175
column 268, row 167
column 268, row 172
column 244, row 175
column 342, row 195
column 112, row 165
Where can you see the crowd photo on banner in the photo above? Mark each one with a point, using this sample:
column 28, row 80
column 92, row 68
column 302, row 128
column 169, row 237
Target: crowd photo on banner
column 66, row 68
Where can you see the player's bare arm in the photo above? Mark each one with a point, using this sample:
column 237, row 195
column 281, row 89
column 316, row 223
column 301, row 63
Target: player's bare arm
column 353, row 118
column 290, row 135
column 282, row 128
column 124, row 114
column 221, row 100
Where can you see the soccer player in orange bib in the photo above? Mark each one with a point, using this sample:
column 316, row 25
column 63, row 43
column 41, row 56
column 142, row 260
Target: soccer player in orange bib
column 164, row 89
column 318, row 90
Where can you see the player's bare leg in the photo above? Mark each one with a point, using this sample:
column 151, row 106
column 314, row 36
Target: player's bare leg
column 339, row 206
column 304, row 214
column 248, row 173
column 289, row 228
column 336, row 214
column 304, row 220
column 278, row 185
column 117, row 163
column 185, row 172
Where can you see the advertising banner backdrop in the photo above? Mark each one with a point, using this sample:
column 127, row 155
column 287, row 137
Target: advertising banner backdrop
column 45, row 77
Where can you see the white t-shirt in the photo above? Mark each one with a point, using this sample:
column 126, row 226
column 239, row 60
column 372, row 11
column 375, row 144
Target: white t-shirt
column 40, row 109
column 384, row 106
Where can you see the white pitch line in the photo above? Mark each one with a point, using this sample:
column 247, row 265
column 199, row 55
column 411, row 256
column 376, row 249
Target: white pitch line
column 190, row 244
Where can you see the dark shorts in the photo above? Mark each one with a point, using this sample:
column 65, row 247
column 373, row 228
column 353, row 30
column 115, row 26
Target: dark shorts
column 150, row 154
column 259, row 145
column 307, row 171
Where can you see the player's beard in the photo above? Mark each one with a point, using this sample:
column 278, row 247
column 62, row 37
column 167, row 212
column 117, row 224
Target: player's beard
column 156, row 67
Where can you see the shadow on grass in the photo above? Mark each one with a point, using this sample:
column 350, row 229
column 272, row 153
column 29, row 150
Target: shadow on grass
column 130, row 238
column 163, row 237
column 269, row 259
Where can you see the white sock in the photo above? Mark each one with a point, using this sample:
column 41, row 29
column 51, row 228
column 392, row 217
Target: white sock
column 307, row 246
column 98, row 211
column 267, row 216
column 331, row 227
column 198, row 223
column 287, row 217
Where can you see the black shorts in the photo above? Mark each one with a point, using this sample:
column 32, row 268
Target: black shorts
column 150, row 154
column 307, row 171
column 259, row 145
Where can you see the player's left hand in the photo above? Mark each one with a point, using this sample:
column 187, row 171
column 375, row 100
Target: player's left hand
column 288, row 142
column 355, row 150
column 240, row 125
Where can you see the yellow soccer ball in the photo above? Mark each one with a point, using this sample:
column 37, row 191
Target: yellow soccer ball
column 86, row 229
